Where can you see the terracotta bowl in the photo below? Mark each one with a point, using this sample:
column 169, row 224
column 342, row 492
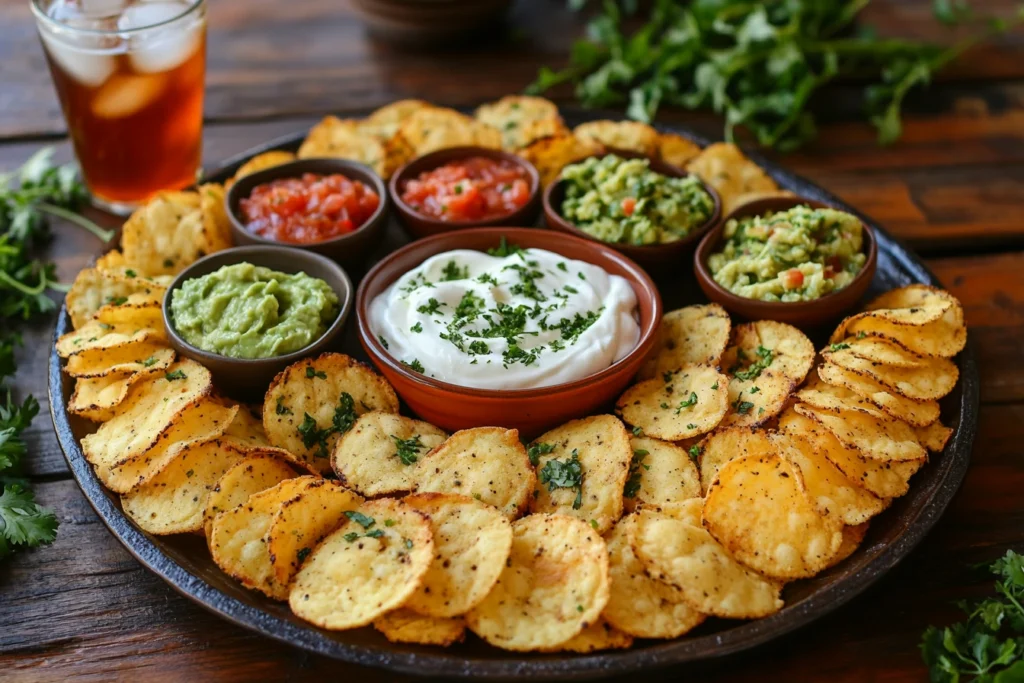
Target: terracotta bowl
column 420, row 225
column 807, row 314
column 244, row 379
column 531, row 411
column 350, row 249
column 656, row 258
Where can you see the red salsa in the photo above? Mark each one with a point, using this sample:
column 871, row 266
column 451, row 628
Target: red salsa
column 471, row 189
column 309, row 209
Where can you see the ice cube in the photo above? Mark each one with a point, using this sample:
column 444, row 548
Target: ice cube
column 126, row 94
column 165, row 47
column 87, row 59
column 102, row 8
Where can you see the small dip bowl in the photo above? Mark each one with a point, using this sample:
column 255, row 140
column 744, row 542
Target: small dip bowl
column 247, row 379
column 655, row 258
column 805, row 314
column 420, row 225
column 531, row 411
column 350, row 249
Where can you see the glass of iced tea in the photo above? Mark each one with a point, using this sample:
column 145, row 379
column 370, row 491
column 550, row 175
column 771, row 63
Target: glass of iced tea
column 129, row 74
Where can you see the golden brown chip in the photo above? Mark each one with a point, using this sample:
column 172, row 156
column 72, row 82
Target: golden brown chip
column 432, row 128
column 758, row 510
column 835, row 399
column 405, row 626
column 99, row 338
column 97, row 398
column 385, row 121
column 916, row 413
column 599, row 448
column 256, row 472
column 378, row 455
column 934, row 437
column 311, row 403
column 853, row 536
column 879, row 350
column 216, row 224
column 596, row 637
column 766, row 344
column 521, row 119
column 632, row 136
column 472, row 540
column 554, row 584
column 345, row 139
column 694, row 334
column 94, row 288
column 943, row 337
column 112, row 259
column 123, row 360
column 676, row 150
column 682, row 404
column 724, row 445
column 260, row 162
column 553, row 153
column 639, row 604
column 365, row 569
column 168, row 233
column 486, row 463
column 874, row 438
column 706, row 576
column 141, row 309
column 914, row 298
column 752, row 402
column 725, row 168
column 660, row 474
column 932, row 380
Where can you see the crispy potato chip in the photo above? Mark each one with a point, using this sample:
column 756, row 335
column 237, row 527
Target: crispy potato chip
column 724, row 167
column 378, row 455
column 638, row 604
column 112, row 259
column 256, row 472
column 758, row 510
column 676, row 150
column 724, row 445
column 632, row 136
column 432, row 128
column 238, row 537
column 553, row 153
column 879, row 350
column 752, row 402
column 694, row 334
column 97, row 398
column 597, row 636
column 123, row 360
column 302, row 522
column 766, row 344
column 934, row 437
column 834, row 495
column 929, row 382
column 521, row 119
column 915, row 298
column 690, row 510
column 94, row 288
column 943, row 337
column 168, row 233
column 345, row 139
column 835, row 399
column 216, row 224
column 100, row 337
column 385, row 121
column 202, row 420
column 472, row 540
column 405, row 626
column 600, row 446
column 174, row 499
column 397, row 152
column 141, row 309
column 707, row 577
column 149, row 409
column 690, row 402
column 853, row 536
column 486, row 463
column 311, row 403
column 660, row 474
column 554, row 584
column 260, row 162
column 364, row 569
column 885, row 479
column 873, row 438
column 916, row 413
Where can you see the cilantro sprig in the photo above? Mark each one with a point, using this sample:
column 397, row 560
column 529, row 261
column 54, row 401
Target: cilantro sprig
column 564, row 474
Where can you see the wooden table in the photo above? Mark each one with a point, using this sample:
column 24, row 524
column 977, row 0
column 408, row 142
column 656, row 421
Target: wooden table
column 953, row 188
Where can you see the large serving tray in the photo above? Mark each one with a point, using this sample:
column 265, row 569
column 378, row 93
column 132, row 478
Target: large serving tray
column 184, row 563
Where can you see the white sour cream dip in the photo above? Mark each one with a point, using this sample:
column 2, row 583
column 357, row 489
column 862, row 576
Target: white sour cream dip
column 530, row 319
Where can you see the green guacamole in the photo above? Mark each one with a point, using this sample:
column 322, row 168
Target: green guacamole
column 624, row 202
column 247, row 311
column 796, row 255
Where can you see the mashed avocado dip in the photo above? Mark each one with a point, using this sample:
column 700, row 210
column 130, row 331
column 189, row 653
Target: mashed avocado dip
column 799, row 254
column 623, row 201
column 247, row 311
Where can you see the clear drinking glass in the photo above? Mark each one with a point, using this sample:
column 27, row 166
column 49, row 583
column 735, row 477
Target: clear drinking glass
column 129, row 75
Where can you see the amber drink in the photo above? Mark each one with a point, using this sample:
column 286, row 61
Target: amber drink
column 129, row 76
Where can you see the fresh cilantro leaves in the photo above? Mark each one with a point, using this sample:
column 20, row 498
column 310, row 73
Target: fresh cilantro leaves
column 175, row 375
column 538, row 449
column 689, row 402
column 364, row 521
column 408, row 449
column 634, row 476
column 504, row 248
column 312, row 372
column 564, row 474
column 342, row 421
column 764, row 358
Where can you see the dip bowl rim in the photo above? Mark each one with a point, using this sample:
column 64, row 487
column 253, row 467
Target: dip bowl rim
column 449, row 241
column 800, row 313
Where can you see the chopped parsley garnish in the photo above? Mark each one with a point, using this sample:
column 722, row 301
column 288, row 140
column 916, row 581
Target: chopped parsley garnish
column 453, row 272
column 281, row 408
column 562, row 267
column 390, row 522
column 838, row 347
column 130, row 273
column 688, row 403
column 432, row 307
column 633, row 479
column 753, row 371
column 504, row 248
column 861, row 335
column 149, row 362
column 691, row 426
column 353, row 535
column 527, row 285
column 383, row 341
column 312, row 372
column 754, row 390
column 408, row 449
column 177, row 374
column 638, row 431
column 695, row 452
column 581, row 276
column 302, row 554
column 416, row 365
column 742, row 407
column 714, row 386
column 538, row 449
column 360, row 519
column 489, row 279
column 105, row 326
column 344, row 417
column 564, row 474
column 117, row 300
column 469, row 306
column 417, row 328
column 593, row 523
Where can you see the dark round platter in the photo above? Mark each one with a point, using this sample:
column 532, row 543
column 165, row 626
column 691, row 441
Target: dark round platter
column 184, row 563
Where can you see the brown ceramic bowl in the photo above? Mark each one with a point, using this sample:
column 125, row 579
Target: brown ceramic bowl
column 420, row 225
column 655, row 258
column 350, row 249
column 805, row 314
column 531, row 411
column 244, row 379
column 434, row 23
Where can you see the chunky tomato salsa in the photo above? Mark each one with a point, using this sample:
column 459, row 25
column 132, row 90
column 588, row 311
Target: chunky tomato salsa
column 309, row 209
column 472, row 189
